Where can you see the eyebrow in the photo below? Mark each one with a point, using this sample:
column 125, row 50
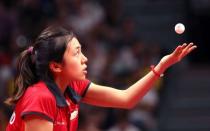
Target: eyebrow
column 78, row 47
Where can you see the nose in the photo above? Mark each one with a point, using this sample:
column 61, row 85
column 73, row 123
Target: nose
column 84, row 58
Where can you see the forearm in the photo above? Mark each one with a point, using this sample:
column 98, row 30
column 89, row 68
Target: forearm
column 135, row 92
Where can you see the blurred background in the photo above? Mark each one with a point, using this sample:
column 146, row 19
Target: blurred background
column 121, row 38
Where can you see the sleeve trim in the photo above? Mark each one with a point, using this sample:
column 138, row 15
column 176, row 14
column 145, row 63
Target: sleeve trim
column 85, row 91
column 44, row 116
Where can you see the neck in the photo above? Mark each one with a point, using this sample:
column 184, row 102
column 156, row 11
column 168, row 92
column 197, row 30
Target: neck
column 61, row 83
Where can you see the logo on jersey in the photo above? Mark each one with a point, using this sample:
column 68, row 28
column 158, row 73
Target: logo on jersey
column 12, row 119
column 74, row 114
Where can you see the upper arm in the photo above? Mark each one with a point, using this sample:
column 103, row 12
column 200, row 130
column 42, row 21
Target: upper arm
column 36, row 123
column 105, row 96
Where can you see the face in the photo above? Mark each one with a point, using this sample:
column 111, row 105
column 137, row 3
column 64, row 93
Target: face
column 74, row 65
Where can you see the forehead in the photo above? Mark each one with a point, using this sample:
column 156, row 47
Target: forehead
column 73, row 44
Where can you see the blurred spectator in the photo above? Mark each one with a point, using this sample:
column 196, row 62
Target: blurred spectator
column 6, row 28
column 142, row 116
column 3, row 120
column 90, row 14
column 91, row 119
column 122, row 123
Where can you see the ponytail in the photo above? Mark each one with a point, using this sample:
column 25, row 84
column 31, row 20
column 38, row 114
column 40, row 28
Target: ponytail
column 26, row 75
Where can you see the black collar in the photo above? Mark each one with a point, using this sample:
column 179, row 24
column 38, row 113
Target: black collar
column 59, row 96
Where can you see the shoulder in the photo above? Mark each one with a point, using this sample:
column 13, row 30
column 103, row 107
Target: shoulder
column 38, row 93
column 38, row 101
column 80, row 86
column 39, row 89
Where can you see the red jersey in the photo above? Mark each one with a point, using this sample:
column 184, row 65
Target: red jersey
column 45, row 99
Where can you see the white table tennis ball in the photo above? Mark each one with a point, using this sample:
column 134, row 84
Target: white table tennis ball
column 179, row 28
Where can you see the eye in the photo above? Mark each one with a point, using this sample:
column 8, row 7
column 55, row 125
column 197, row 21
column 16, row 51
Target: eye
column 77, row 53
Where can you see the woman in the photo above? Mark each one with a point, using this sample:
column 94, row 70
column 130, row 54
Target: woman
column 51, row 82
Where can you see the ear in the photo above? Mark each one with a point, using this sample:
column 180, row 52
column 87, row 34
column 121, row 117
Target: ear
column 55, row 67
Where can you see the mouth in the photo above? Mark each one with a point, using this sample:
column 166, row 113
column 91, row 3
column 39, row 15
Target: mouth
column 85, row 70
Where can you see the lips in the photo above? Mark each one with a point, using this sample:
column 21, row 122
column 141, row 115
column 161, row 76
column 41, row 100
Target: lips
column 85, row 70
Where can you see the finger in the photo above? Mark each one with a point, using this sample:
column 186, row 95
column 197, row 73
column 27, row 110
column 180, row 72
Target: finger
column 188, row 51
column 191, row 49
column 181, row 49
column 188, row 46
column 185, row 48
column 184, row 45
column 178, row 50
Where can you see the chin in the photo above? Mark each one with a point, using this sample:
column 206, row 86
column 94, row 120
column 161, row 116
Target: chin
column 81, row 78
column 78, row 77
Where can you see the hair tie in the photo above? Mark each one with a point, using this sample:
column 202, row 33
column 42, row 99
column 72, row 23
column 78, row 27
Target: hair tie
column 30, row 49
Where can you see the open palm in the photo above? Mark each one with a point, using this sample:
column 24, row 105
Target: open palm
column 178, row 54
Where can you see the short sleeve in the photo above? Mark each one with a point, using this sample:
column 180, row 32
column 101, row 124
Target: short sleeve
column 39, row 104
column 80, row 87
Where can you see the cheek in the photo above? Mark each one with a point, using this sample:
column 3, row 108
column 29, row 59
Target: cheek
column 73, row 69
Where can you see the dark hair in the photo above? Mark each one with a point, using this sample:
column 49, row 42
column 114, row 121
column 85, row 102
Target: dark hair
column 33, row 63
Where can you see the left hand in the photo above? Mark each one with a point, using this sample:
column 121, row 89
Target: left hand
column 178, row 54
